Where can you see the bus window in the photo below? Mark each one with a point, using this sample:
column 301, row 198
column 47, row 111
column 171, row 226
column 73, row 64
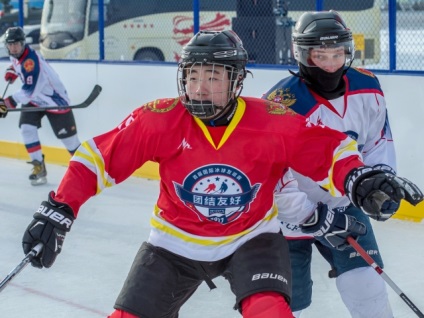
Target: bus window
column 62, row 23
column 94, row 11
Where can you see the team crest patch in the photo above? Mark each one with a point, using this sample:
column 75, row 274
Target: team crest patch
column 278, row 109
column 218, row 193
column 29, row 65
column 364, row 71
column 161, row 105
column 282, row 96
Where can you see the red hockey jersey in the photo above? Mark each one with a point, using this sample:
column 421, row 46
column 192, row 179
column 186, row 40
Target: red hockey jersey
column 213, row 197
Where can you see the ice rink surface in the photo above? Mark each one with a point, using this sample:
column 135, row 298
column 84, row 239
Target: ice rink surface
column 98, row 252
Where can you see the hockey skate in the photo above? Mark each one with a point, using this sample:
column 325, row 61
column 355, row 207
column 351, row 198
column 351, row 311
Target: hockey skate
column 39, row 172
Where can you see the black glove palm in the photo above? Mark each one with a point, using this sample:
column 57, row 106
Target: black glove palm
column 3, row 108
column 332, row 228
column 51, row 223
column 379, row 193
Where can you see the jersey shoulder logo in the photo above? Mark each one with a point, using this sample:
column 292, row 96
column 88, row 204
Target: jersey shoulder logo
column 364, row 71
column 282, row 96
column 29, row 65
column 161, row 105
column 278, row 109
column 217, row 193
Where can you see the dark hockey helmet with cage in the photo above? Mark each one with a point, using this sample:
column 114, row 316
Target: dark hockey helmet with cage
column 323, row 29
column 14, row 35
column 223, row 47
column 217, row 48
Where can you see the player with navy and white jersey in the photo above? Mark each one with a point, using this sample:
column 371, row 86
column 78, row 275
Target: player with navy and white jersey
column 329, row 92
column 41, row 87
column 220, row 156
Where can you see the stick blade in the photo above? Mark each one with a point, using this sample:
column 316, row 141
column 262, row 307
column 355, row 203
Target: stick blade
column 97, row 89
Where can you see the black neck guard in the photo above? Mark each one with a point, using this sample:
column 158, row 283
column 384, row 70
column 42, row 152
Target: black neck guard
column 325, row 84
column 225, row 118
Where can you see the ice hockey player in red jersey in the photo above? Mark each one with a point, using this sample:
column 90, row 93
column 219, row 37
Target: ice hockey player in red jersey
column 220, row 156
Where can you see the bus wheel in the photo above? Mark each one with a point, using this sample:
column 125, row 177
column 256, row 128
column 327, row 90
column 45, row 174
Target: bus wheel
column 149, row 55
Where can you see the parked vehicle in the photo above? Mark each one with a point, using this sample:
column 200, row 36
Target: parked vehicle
column 12, row 19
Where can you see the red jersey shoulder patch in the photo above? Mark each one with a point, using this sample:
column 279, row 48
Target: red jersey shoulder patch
column 278, row 109
column 161, row 105
column 29, row 65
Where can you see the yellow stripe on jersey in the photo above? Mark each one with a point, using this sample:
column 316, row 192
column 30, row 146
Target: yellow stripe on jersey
column 346, row 148
column 241, row 107
column 163, row 226
column 88, row 155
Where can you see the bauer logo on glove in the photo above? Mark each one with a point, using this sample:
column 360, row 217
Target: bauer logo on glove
column 55, row 216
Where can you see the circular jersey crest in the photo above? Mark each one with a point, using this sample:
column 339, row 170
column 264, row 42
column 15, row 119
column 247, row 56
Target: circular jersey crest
column 218, row 193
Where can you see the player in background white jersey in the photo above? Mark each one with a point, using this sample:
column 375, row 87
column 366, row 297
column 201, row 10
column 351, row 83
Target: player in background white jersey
column 41, row 87
column 328, row 91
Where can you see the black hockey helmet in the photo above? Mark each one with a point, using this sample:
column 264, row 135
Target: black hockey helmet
column 323, row 29
column 216, row 48
column 14, row 35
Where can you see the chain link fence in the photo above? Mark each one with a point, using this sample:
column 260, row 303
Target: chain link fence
column 388, row 34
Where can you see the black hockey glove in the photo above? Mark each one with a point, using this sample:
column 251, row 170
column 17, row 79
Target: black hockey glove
column 3, row 108
column 332, row 228
column 51, row 223
column 378, row 193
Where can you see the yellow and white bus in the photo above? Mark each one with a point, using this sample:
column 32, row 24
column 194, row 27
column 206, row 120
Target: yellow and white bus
column 156, row 30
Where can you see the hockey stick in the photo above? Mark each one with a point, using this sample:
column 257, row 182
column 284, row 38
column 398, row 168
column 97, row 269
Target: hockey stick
column 93, row 95
column 387, row 279
column 5, row 90
column 26, row 260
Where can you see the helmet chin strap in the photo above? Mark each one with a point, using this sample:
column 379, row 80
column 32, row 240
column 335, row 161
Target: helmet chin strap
column 224, row 117
column 228, row 110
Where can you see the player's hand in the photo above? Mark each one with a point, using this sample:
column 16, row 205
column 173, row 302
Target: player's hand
column 10, row 102
column 332, row 228
column 51, row 222
column 3, row 108
column 378, row 193
column 10, row 75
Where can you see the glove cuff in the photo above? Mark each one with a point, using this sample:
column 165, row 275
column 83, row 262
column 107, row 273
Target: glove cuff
column 384, row 168
column 10, row 102
column 60, row 205
column 354, row 177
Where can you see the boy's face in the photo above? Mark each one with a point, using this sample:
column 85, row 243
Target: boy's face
column 328, row 59
column 15, row 49
column 208, row 83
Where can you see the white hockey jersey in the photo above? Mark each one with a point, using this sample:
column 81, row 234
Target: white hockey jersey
column 41, row 85
column 360, row 113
